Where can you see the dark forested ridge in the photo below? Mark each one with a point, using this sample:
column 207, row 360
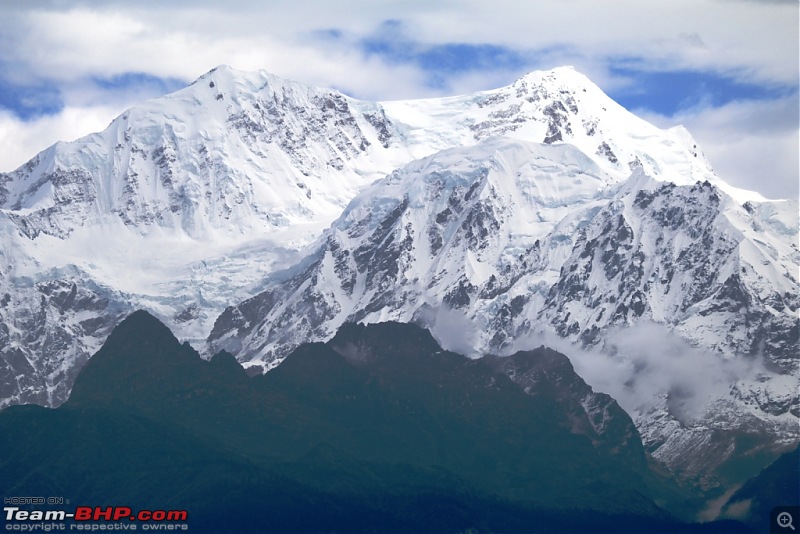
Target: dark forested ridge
column 377, row 430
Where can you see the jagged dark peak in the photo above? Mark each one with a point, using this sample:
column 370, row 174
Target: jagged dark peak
column 225, row 364
column 541, row 371
column 539, row 367
column 539, row 358
column 362, row 342
column 141, row 327
column 447, row 426
column 139, row 354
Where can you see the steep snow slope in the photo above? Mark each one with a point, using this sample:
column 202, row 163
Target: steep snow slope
column 233, row 152
column 463, row 217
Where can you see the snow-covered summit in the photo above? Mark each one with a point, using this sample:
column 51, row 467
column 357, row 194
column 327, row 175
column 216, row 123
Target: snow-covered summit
column 561, row 106
column 248, row 151
column 233, row 152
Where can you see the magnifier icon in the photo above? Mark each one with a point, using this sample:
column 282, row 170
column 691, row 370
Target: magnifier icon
column 785, row 520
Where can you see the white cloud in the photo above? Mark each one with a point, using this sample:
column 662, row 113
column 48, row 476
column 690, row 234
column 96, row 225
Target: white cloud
column 21, row 140
column 748, row 39
column 644, row 363
column 755, row 41
column 658, row 362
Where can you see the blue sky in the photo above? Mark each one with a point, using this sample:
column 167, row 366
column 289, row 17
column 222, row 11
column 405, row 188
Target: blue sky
column 727, row 69
column 43, row 97
column 669, row 92
column 665, row 92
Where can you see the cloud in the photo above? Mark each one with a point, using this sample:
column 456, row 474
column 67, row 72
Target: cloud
column 392, row 42
column 452, row 329
column 18, row 138
column 184, row 43
column 661, row 363
column 755, row 43
column 643, row 365
column 670, row 92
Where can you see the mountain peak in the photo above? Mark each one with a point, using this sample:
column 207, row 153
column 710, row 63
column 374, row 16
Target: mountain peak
column 139, row 322
column 142, row 348
column 384, row 337
column 565, row 80
column 565, row 73
column 225, row 78
column 220, row 184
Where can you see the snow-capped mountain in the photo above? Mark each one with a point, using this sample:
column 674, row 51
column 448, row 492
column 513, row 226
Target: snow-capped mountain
column 495, row 243
column 233, row 152
column 178, row 207
column 185, row 203
column 538, row 209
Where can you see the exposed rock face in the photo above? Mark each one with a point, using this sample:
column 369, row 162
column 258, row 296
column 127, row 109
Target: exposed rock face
column 59, row 320
column 679, row 255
